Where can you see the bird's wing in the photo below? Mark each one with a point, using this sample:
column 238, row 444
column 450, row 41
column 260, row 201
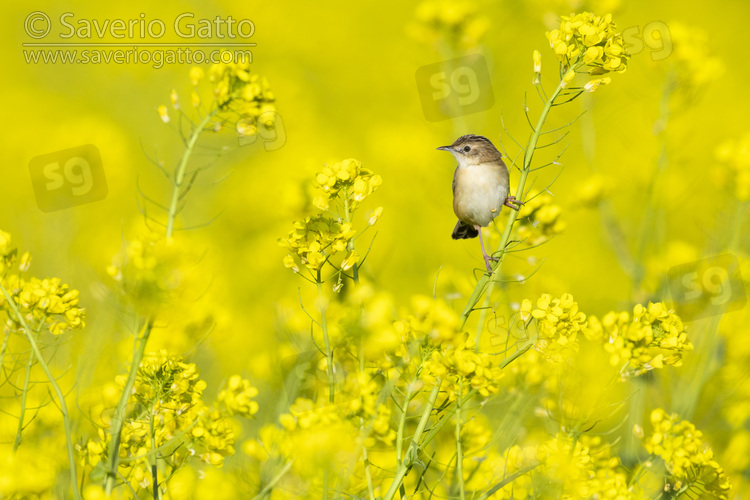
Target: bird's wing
column 455, row 180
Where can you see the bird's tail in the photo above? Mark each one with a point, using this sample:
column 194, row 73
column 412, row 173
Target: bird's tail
column 464, row 231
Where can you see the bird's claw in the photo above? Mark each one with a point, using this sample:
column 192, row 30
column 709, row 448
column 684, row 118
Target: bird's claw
column 513, row 203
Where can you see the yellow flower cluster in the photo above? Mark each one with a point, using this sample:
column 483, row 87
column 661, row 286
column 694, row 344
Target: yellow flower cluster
column 460, row 23
column 539, row 219
column 7, row 252
column 165, row 381
column 315, row 240
column 688, row 458
column 348, row 178
column 246, row 94
column 169, row 393
column 588, row 40
column 460, row 366
column 583, row 468
column 428, row 321
column 734, row 155
column 638, row 343
column 238, row 396
column 48, row 301
column 149, row 270
column 42, row 302
column 558, row 322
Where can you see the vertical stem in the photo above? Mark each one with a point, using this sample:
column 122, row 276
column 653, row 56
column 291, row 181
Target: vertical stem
column 459, row 450
column 154, row 466
column 58, row 392
column 350, row 245
column 24, row 394
column 118, row 418
column 486, row 280
column 366, row 459
column 402, row 421
column 179, row 174
column 414, row 446
column 326, row 342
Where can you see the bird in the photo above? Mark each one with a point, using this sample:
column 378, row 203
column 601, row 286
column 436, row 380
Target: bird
column 481, row 187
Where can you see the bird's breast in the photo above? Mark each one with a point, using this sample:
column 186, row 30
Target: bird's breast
column 480, row 191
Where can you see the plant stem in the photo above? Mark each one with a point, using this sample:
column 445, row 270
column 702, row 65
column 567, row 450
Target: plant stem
column 267, row 489
column 366, row 460
column 118, row 418
column 55, row 386
column 350, row 245
column 402, row 420
column 179, row 174
column 24, row 394
column 326, row 342
column 459, row 451
column 486, row 283
column 154, row 465
column 415, row 445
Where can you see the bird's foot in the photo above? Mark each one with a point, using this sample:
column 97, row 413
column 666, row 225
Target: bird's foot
column 487, row 259
column 513, row 203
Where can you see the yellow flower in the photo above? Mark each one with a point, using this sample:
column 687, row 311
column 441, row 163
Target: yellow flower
column 350, row 260
column 163, row 114
column 237, row 397
column 196, row 75
column 537, row 68
column 316, row 239
column 653, row 337
column 558, row 322
column 687, row 457
column 588, row 40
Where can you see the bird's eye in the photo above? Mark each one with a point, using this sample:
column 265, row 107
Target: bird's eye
column 467, row 149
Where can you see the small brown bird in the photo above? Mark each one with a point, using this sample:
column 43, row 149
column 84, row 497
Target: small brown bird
column 480, row 187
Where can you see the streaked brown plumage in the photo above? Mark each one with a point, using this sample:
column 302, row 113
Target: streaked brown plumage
column 480, row 187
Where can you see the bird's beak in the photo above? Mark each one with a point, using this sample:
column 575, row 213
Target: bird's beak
column 445, row 148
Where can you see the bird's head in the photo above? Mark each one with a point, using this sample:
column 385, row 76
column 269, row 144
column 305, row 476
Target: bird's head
column 473, row 150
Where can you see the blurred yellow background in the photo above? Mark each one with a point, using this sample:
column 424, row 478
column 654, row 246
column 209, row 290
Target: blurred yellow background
column 343, row 75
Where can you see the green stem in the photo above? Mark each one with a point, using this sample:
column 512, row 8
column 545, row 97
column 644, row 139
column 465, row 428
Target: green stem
column 53, row 382
column 4, row 349
column 24, row 394
column 154, row 465
column 267, row 489
column 415, row 445
column 326, row 342
column 459, row 450
column 486, row 280
column 451, row 411
column 738, row 220
column 366, row 460
column 402, row 420
column 350, row 245
column 118, row 418
column 179, row 175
